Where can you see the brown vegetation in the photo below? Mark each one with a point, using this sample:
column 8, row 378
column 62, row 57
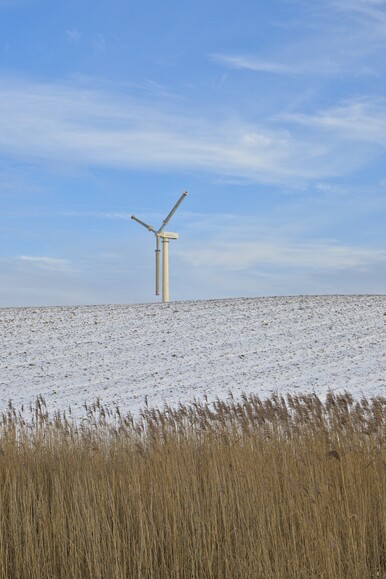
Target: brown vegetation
column 281, row 488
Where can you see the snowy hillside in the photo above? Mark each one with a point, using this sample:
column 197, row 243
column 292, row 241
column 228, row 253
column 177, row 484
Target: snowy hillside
column 181, row 350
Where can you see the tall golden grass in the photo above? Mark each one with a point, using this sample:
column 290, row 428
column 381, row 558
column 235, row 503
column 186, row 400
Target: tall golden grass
column 281, row 488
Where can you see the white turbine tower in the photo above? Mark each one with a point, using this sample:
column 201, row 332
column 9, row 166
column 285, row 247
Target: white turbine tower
column 164, row 236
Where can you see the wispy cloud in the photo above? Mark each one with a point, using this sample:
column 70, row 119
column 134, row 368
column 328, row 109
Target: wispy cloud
column 218, row 255
column 116, row 215
column 355, row 27
column 240, row 243
column 302, row 62
column 374, row 11
column 47, row 263
column 330, row 38
column 361, row 120
column 253, row 63
column 285, row 253
column 91, row 127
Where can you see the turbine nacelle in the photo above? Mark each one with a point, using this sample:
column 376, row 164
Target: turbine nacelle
column 167, row 235
column 164, row 236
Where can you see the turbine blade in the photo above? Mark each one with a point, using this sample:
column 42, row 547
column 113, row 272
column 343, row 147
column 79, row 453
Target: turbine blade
column 172, row 212
column 149, row 227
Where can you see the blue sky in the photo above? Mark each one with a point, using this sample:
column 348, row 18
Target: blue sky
column 271, row 114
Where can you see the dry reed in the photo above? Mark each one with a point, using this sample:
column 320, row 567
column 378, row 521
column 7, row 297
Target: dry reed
column 277, row 488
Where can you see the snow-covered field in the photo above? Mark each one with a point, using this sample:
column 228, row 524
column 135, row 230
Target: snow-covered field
column 182, row 350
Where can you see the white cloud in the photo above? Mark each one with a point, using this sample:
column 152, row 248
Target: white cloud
column 217, row 256
column 328, row 39
column 255, row 64
column 47, row 263
column 116, row 215
column 284, row 253
column 75, row 125
column 362, row 121
column 373, row 10
column 306, row 61
column 281, row 243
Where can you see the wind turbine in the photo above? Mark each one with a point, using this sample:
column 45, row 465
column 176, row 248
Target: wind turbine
column 164, row 236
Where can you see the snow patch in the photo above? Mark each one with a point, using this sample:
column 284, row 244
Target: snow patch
column 184, row 350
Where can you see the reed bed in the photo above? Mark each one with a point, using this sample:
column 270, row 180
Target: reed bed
column 279, row 488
